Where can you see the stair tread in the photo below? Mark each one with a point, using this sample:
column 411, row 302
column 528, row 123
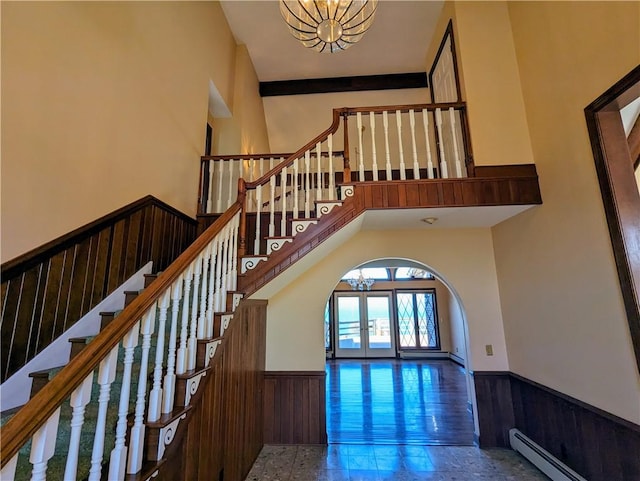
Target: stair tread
column 47, row 371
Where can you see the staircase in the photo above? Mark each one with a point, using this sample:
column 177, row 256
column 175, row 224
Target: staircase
column 183, row 339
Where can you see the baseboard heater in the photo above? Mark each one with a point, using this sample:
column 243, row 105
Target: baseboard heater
column 543, row 460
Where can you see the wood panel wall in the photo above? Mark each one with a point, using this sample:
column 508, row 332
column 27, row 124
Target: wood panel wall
column 597, row 445
column 225, row 431
column 46, row 290
column 295, row 407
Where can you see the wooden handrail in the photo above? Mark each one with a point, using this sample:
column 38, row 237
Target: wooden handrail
column 289, row 160
column 38, row 409
column 404, row 108
column 257, row 156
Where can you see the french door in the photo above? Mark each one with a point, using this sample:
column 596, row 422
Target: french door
column 362, row 324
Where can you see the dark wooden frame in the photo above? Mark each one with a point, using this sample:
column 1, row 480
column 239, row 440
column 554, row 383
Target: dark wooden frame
column 448, row 33
column 438, row 345
column 619, row 191
column 410, row 80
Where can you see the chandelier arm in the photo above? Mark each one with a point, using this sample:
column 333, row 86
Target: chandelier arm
column 349, row 27
column 313, row 32
column 310, row 13
column 344, row 12
column 296, row 16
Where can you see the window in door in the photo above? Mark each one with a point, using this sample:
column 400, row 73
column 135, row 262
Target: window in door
column 417, row 320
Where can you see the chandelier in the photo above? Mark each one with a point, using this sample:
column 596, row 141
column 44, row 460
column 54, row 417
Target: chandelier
column 328, row 25
column 361, row 283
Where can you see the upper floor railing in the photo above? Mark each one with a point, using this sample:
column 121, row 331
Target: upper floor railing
column 423, row 141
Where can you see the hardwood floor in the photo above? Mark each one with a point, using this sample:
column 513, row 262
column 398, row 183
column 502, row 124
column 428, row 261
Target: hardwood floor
column 389, row 401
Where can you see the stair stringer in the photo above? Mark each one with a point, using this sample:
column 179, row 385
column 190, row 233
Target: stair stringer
column 304, row 242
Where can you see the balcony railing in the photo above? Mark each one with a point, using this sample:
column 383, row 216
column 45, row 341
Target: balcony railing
column 400, row 142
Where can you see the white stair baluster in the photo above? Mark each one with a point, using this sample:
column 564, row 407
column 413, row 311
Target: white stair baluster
column 307, row 187
column 332, row 181
column 136, row 438
column 209, row 187
column 231, row 184
column 454, row 140
column 270, row 163
column 372, row 124
column 212, row 289
column 220, row 175
column 360, row 154
column 192, row 347
column 261, row 167
column 385, row 124
column 169, row 384
column 225, row 268
column 296, row 166
column 106, row 376
column 79, row 400
column 241, row 175
column 155, row 396
column 256, row 242
column 412, row 124
column 283, row 198
column 43, row 446
column 425, row 118
column 202, row 318
column 272, row 205
column 118, row 459
column 181, row 362
column 319, row 179
column 403, row 172
column 218, row 276
column 234, row 252
column 444, row 170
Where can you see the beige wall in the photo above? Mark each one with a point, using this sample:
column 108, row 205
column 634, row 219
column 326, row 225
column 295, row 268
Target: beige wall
column 564, row 319
column 246, row 131
column 457, row 329
column 490, row 81
column 295, row 313
column 104, row 103
column 294, row 120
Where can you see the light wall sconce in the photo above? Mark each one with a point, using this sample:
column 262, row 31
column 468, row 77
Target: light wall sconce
column 430, row 220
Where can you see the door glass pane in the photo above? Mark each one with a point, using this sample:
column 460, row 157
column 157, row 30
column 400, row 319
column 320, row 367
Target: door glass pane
column 348, row 322
column 406, row 325
column 426, row 319
column 379, row 322
column 327, row 330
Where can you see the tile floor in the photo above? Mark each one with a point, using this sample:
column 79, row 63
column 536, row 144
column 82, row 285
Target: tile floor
column 348, row 462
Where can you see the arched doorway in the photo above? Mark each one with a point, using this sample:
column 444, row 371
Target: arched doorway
column 396, row 341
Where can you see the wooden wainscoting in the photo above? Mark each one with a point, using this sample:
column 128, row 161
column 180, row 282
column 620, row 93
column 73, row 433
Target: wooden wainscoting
column 225, row 431
column 295, row 407
column 596, row 444
column 46, row 290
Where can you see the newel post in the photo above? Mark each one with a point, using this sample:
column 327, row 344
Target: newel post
column 347, row 167
column 242, row 230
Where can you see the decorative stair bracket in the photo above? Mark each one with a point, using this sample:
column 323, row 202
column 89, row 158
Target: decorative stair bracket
column 249, row 262
column 187, row 386
column 221, row 322
column 236, row 298
column 324, row 207
column 301, row 225
column 275, row 243
column 206, row 352
column 346, row 191
column 161, row 434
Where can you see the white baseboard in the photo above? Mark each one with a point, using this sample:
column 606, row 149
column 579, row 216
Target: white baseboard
column 16, row 390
